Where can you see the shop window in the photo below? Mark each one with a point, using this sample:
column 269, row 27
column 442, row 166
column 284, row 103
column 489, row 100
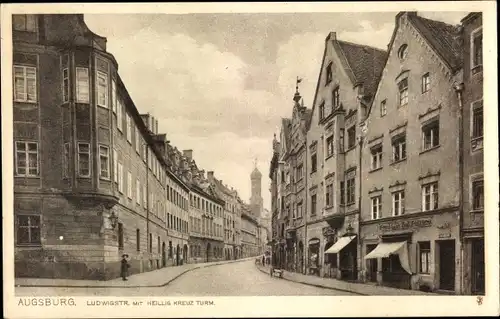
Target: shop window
column 425, row 255
column 430, row 135
column 430, row 196
column 28, row 230
column 376, row 157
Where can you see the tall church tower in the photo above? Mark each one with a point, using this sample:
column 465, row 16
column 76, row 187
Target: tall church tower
column 256, row 201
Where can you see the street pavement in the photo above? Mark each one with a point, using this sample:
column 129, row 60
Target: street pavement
column 230, row 279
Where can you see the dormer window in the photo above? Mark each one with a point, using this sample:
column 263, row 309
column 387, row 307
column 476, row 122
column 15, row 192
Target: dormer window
column 403, row 52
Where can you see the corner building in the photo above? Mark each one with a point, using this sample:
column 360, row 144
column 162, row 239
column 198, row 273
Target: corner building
column 411, row 183
column 89, row 180
column 345, row 89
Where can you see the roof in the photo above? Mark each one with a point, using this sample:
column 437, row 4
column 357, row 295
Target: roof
column 285, row 126
column 307, row 116
column 366, row 64
column 443, row 37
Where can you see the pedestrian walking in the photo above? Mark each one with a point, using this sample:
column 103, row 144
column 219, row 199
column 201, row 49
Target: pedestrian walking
column 263, row 260
column 124, row 267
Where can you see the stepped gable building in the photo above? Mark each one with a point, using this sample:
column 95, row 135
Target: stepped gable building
column 410, row 209
column 230, row 197
column 89, row 177
column 345, row 89
column 471, row 94
column 277, row 240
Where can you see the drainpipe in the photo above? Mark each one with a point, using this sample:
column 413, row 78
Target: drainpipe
column 358, row 255
column 147, row 200
column 306, row 246
column 459, row 88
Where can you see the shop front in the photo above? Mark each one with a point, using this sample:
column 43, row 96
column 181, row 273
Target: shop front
column 413, row 252
column 313, row 265
column 344, row 253
column 291, row 239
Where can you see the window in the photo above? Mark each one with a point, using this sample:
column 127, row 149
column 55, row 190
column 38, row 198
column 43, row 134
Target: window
column 144, row 195
column 119, row 114
column 150, row 244
column 25, row 84
column 129, row 127
column 430, row 135
column 477, row 48
column 24, row 22
column 342, row 193
column 27, row 159
column 322, row 111
column 341, row 140
column 478, row 195
column 329, row 146
column 398, row 203
column 115, row 165
column 138, row 191
column 403, row 92
column 376, row 152
column 84, row 159
column 314, row 163
column 335, row 99
column 383, row 108
column 351, row 191
column 137, row 140
column 113, row 96
column 120, row 178
column 104, row 161
column 403, row 52
column 28, row 229
column 313, row 205
column 329, row 76
column 65, row 76
column 430, row 196
column 399, row 148
column 426, row 82
column 424, row 248
column 351, row 136
column 120, row 236
column 477, row 120
column 82, row 85
column 66, row 159
column 102, row 89
column 329, row 195
column 300, row 172
column 376, row 207
column 138, row 240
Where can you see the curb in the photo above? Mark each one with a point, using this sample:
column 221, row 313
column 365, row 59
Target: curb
column 137, row 286
column 316, row 285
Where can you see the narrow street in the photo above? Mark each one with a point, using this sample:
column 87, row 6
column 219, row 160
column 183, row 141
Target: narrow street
column 235, row 279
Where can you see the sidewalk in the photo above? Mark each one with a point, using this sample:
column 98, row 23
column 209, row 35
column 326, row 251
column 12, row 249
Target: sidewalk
column 357, row 288
column 155, row 278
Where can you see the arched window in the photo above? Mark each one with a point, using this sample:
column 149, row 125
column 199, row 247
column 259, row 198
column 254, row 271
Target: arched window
column 403, row 51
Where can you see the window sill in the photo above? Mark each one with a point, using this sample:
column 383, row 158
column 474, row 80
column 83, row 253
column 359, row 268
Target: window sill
column 476, row 69
column 400, row 106
column 429, row 149
column 328, row 157
column 39, row 245
column 81, row 176
column 399, row 161
column 24, row 176
column 477, row 211
column 107, row 179
column 27, row 102
column 103, row 106
column 350, row 148
column 375, row 169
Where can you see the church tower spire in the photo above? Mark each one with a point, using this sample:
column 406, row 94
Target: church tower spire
column 256, row 201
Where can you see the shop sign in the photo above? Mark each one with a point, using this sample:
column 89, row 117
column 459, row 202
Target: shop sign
column 328, row 231
column 406, row 224
column 313, row 241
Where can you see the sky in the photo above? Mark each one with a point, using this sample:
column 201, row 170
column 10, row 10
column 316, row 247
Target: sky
column 220, row 83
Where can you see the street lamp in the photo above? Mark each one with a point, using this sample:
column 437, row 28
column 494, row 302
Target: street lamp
column 113, row 219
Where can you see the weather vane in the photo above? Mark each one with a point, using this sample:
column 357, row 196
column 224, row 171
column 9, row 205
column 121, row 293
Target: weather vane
column 255, row 162
column 297, row 84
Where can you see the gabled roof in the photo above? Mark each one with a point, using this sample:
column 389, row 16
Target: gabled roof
column 443, row 37
column 366, row 64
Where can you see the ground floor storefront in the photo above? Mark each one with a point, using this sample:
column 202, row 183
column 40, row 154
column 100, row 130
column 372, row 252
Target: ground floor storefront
column 76, row 238
column 474, row 262
column 229, row 252
column 205, row 250
column 294, row 250
column 415, row 251
column 332, row 247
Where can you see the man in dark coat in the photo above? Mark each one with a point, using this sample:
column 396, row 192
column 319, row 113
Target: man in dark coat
column 124, row 267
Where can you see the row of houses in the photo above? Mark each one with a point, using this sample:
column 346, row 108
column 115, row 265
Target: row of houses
column 382, row 179
column 94, row 179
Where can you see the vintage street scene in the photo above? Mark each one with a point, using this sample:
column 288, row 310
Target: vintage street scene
column 248, row 154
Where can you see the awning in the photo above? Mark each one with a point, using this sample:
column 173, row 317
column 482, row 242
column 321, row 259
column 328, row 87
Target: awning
column 340, row 244
column 384, row 250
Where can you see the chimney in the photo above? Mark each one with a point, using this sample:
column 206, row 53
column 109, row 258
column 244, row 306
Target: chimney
column 210, row 175
column 188, row 154
column 156, row 126
column 332, row 36
column 151, row 125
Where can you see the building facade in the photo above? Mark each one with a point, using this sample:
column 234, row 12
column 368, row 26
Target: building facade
column 411, row 203
column 89, row 178
column 346, row 84
column 471, row 95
